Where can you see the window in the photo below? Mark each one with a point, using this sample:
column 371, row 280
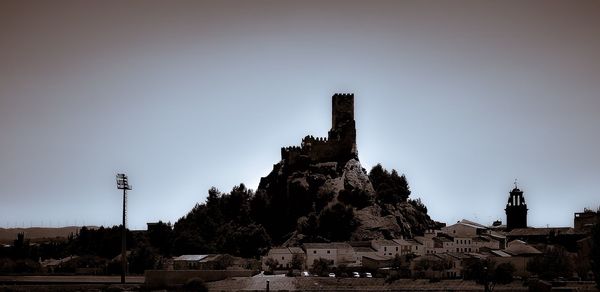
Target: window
column 396, row 248
column 314, row 251
column 457, row 249
column 385, row 248
column 328, row 252
column 282, row 258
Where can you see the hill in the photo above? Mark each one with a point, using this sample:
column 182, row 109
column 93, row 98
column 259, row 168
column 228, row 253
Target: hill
column 318, row 192
column 7, row 235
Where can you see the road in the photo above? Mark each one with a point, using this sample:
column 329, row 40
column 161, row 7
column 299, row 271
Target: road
column 74, row 279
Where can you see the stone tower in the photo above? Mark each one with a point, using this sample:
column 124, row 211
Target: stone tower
column 516, row 210
column 343, row 128
column 340, row 144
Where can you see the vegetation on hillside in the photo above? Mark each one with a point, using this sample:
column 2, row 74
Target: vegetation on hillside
column 247, row 223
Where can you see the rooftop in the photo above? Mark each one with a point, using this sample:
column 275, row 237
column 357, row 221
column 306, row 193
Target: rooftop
column 323, row 245
column 541, row 231
column 363, row 249
column 384, row 242
column 190, row 257
column 518, row 247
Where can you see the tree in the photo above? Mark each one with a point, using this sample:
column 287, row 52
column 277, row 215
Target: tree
column 595, row 253
column 418, row 205
column 554, row 263
column 503, row 274
column 223, row 262
column 297, row 261
column 390, row 188
column 143, row 257
column 421, row 266
column 272, row 264
column 321, row 266
column 397, row 262
column 195, row 284
column 161, row 237
column 337, row 222
column 477, row 270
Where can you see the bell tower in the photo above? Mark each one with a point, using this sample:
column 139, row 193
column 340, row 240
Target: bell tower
column 516, row 210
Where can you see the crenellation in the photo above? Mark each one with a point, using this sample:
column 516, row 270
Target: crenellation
column 338, row 146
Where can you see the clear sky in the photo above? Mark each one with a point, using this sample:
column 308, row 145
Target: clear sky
column 461, row 96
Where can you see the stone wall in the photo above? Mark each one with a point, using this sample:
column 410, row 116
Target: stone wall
column 170, row 278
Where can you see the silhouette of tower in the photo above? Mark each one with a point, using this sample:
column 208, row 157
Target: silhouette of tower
column 516, row 210
column 343, row 129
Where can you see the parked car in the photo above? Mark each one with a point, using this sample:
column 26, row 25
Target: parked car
column 355, row 275
column 368, row 275
column 331, row 275
column 305, row 274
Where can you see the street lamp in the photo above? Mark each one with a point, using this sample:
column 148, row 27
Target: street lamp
column 123, row 184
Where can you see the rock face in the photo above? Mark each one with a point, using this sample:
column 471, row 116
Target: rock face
column 323, row 186
column 323, row 181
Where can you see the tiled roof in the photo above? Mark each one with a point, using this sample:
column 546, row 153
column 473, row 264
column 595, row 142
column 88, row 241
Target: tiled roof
column 190, row 257
column 517, row 247
column 541, row 231
column 471, row 223
column 279, row 250
column 363, row 249
column 442, row 239
column 332, row 245
column 500, row 253
column 481, row 239
column 378, row 257
column 384, row 242
column 295, row 250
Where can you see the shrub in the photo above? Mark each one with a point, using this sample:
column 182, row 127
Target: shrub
column 195, row 284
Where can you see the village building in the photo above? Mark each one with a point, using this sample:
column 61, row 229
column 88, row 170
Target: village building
column 386, row 247
column 565, row 236
column 442, row 244
column 465, row 229
column 197, row 262
column 410, row 246
column 377, row 261
column 337, row 252
column 584, row 221
column 426, row 243
column 285, row 257
column 362, row 249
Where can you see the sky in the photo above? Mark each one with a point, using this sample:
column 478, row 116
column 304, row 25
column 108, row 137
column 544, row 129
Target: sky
column 460, row 96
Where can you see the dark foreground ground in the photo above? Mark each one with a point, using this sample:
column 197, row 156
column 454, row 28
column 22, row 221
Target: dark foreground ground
column 258, row 283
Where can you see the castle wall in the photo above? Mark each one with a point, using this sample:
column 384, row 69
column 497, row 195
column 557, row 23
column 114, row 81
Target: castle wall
column 340, row 146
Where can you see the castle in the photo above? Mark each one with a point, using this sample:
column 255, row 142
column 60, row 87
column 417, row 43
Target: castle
column 340, row 144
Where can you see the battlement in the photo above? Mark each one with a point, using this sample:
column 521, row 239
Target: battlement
column 339, row 146
column 311, row 140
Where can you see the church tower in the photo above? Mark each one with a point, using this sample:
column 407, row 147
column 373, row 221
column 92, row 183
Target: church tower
column 516, row 210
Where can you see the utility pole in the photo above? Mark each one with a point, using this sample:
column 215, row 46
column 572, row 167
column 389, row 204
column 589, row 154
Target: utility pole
column 123, row 184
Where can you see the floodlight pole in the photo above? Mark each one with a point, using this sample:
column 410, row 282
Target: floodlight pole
column 124, row 241
column 123, row 184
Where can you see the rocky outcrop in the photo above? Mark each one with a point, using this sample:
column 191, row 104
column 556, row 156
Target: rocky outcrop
column 311, row 189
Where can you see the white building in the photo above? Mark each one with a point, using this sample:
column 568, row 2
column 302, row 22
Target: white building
column 284, row 256
column 337, row 252
column 386, row 247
